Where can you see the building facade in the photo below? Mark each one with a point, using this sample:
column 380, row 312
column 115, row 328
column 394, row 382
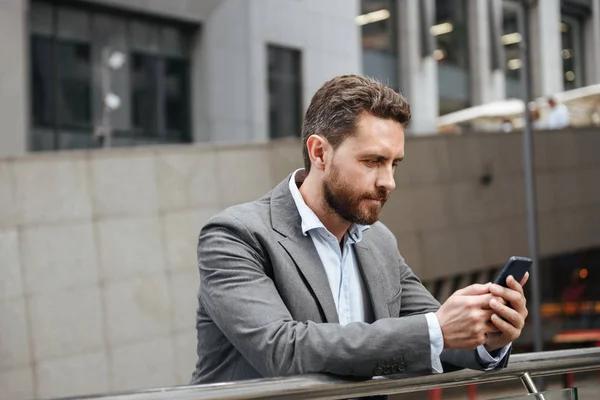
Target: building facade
column 445, row 55
column 195, row 71
column 244, row 71
column 98, row 249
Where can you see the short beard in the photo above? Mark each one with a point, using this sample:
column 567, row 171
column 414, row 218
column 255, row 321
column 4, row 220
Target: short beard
column 340, row 198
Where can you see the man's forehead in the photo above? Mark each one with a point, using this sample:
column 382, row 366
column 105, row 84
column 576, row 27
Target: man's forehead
column 378, row 140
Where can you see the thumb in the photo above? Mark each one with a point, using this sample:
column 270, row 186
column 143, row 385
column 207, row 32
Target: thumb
column 474, row 290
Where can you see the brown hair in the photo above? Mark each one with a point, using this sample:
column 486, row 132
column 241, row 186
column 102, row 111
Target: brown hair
column 336, row 106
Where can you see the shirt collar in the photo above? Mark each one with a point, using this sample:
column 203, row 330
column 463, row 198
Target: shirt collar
column 310, row 221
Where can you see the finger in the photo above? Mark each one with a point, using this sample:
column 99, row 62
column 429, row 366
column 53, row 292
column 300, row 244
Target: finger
column 485, row 315
column 491, row 328
column 486, row 298
column 473, row 290
column 510, row 315
column 514, row 285
column 499, row 300
column 514, row 297
column 524, row 279
column 505, row 327
column 516, row 300
column 521, row 304
column 480, row 301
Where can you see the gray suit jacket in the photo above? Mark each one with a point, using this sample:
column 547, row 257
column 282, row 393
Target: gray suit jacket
column 266, row 309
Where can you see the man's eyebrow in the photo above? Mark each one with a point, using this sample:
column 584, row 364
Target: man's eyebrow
column 379, row 157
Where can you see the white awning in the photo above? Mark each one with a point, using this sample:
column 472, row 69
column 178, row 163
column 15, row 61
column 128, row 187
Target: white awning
column 583, row 105
column 489, row 113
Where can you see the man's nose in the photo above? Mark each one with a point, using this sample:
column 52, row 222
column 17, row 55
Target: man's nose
column 386, row 179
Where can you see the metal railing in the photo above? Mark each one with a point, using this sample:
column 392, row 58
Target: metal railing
column 520, row 366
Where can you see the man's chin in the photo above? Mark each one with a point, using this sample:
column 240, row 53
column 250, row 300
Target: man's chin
column 370, row 218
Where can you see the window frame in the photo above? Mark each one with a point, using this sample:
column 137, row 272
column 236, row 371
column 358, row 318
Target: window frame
column 512, row 76
column 131, row 135
column 298, row 80
column 578, row 49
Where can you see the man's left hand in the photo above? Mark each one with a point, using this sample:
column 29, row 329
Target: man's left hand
column 508, row 320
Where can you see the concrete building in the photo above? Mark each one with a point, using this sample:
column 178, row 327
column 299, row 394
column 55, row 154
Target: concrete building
column 445, row 55
column 196, row 71
column 244, row 71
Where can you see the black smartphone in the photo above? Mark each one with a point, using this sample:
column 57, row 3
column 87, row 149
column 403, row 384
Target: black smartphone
column 517, row 267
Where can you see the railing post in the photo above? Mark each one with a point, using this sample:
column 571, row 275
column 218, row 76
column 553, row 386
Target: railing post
column 435, row 394
column 530, row 385
column 472, row 390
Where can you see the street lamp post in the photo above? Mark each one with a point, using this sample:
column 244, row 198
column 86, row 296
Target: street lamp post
column 111, row 62
column 530, row 188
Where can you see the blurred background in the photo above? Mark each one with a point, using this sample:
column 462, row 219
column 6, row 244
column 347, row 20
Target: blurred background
column 126, row 124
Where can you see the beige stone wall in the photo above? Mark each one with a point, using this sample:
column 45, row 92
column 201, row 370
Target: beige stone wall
column 447, row 222
column 97, row 249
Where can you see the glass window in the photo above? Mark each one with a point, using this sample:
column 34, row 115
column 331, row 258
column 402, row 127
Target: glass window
column 511, row 41
column 41, row 19
column 73, row 24
column 452, row 54
column 159, row 98
column 572, row 51
column 70, row 78
column 109, row 33
column 379, row 40
column 42, row 81
column 144, row 94
column 285, row 92
column 60, row 74
column 73, row 88
column 175, row 100
column 450, row 29
column 145, row 37
column 377, row 22
column 173, row 42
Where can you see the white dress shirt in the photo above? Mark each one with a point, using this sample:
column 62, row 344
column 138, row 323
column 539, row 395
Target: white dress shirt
column 349, row 292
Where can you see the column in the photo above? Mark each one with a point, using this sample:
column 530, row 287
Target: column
column 14, row 99
column 546, row 48
column 418, row 73
column 592, row 45
column 222, row 105
column 487, row 77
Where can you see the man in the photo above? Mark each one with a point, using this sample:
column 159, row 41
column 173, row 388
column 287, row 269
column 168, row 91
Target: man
column 558, row 115
column 306, row 280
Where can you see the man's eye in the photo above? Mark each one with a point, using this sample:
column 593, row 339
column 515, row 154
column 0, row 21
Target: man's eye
column 371, row 163
column 394, row 164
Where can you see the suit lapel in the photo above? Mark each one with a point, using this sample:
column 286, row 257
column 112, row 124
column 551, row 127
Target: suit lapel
column 304, row 254
column 286, row 220
column 370, row 264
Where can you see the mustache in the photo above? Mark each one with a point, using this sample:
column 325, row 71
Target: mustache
column 381, row 195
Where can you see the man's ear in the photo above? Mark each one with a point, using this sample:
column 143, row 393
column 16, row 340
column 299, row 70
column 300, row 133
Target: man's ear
column 318, row 148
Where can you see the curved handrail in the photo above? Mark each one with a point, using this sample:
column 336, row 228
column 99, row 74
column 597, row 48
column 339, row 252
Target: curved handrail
column 317, row 386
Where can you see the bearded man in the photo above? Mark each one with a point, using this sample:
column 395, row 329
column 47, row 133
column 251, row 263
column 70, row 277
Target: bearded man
column 306, row 280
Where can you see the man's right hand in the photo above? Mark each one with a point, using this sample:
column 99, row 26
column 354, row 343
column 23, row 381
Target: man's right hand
column 465, row 317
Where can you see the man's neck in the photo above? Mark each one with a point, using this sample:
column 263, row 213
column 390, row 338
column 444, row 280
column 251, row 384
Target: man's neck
column 312, row 193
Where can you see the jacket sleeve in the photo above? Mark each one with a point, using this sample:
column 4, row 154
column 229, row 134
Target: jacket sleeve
column 245, row 305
